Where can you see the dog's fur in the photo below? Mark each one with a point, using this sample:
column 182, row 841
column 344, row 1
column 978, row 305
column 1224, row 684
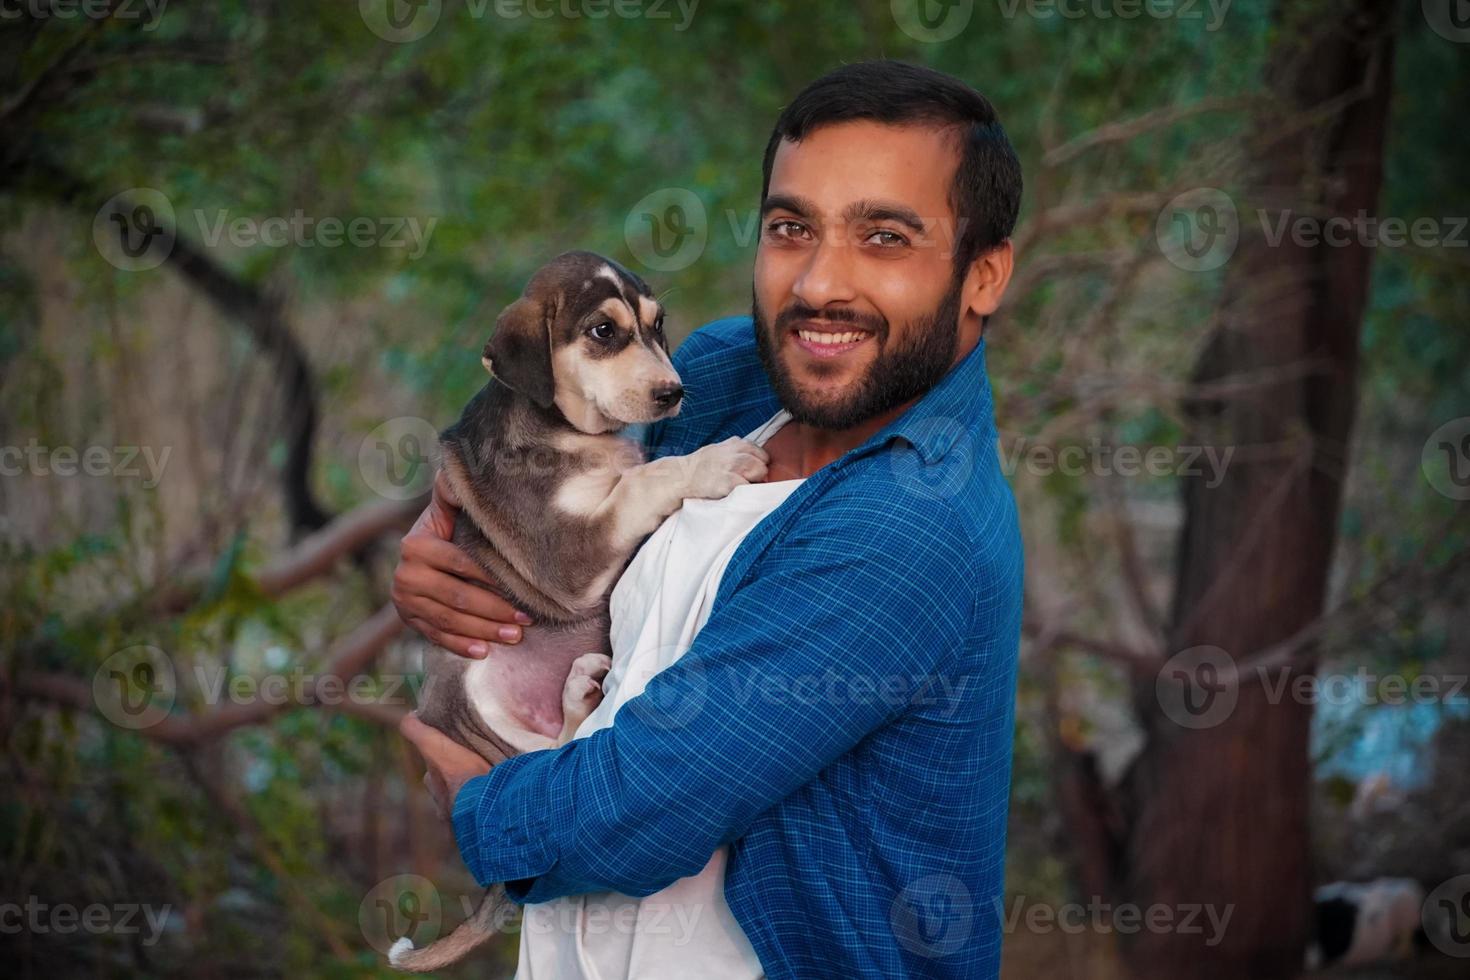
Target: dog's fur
column 554, row 504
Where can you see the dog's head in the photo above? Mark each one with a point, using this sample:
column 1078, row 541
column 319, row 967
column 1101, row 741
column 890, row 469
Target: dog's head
column 588, row 336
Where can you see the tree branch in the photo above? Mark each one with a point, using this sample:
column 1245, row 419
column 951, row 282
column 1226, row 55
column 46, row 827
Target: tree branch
column 348, row 657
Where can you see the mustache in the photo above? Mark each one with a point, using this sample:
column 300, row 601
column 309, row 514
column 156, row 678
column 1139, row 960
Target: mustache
column 799, row 312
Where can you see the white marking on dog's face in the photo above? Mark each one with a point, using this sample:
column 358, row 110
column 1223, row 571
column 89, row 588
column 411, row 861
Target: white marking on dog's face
column 648, row 308
column 609, row 378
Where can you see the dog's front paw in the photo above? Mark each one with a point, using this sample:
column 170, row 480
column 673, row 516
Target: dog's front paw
column 720, row 468
column 582, row 692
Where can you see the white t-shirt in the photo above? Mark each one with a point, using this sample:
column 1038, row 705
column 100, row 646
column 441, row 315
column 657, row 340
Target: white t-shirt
column 661, row 601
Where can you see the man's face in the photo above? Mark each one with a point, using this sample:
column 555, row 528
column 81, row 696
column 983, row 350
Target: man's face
column 856, row 298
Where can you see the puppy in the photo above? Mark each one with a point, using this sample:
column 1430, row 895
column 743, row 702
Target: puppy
column 555, row 502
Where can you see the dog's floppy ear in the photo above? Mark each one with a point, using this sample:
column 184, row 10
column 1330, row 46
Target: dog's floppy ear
column 519, row 352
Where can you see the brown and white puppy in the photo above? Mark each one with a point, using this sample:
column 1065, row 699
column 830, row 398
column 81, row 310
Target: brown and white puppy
column 555, row 503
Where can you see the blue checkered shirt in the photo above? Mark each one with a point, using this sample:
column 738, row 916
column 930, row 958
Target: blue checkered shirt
column 843, row 720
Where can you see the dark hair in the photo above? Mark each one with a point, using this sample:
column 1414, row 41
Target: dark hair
column 986, row 193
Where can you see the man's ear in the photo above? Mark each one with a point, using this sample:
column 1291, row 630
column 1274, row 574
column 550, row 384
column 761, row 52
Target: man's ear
column 519, row 351
column 987, row 279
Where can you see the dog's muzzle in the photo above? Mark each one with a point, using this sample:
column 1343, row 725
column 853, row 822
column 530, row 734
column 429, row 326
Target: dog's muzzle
column 667, row 396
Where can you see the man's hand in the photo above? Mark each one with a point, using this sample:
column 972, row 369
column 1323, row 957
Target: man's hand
column 450, row 765
column 444, row 595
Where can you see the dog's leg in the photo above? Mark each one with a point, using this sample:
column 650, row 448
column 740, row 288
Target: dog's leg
column 583, row 692
column 646, row 494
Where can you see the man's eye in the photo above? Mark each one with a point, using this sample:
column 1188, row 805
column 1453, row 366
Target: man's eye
column 785, row 228
column 603, row 331
column 887, row 239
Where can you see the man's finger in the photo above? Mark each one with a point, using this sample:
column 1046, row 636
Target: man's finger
column 444, row 491
column 464, row 646
column 443, row 555
column 437, row 792
column 455, row 593
column 449, row 622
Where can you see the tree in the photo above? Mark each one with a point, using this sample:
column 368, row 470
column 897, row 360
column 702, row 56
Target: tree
column 1219, row 814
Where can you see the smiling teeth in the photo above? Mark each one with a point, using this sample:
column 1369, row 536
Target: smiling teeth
column 822, row 337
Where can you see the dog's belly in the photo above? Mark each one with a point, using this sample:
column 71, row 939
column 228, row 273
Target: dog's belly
column 511, row 701
column 524, row 681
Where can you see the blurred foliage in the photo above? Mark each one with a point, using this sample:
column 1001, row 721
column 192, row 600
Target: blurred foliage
column 523, row 137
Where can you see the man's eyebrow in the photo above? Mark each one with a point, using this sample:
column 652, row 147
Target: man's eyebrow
column 868, row 210
column 794, row 203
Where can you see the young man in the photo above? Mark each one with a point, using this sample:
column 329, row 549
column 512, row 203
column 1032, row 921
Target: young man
column 842, row 721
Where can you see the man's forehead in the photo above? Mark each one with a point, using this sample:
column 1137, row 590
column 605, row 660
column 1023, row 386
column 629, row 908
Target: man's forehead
column 836, row 165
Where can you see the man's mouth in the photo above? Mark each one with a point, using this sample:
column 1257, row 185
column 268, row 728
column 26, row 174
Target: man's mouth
column 828, row 342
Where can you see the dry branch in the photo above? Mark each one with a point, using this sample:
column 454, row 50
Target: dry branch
column 348, row 657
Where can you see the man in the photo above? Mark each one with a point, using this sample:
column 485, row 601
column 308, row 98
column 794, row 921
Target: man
column 843, row 720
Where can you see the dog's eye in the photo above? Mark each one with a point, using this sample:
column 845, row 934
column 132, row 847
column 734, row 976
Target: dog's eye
column 603, row 331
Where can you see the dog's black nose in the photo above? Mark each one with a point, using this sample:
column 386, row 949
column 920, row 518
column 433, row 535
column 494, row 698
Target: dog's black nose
column 668, row 396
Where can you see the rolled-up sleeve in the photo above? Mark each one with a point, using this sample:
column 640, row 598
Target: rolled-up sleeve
column 744, row 718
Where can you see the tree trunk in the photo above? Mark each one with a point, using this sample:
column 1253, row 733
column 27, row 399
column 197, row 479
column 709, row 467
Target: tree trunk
column 1220, row 812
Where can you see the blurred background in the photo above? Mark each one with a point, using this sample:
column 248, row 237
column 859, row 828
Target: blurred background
column 251, row 250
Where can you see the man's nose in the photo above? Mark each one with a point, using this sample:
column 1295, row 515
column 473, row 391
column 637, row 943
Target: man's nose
column 827, row 277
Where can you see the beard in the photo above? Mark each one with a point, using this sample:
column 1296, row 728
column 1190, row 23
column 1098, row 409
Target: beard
column 914, row 365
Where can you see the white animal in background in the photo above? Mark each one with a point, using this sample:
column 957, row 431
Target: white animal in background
column 1370, row 922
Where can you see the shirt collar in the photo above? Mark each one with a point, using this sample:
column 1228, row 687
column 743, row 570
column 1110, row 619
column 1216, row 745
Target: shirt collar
column 959, row 404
